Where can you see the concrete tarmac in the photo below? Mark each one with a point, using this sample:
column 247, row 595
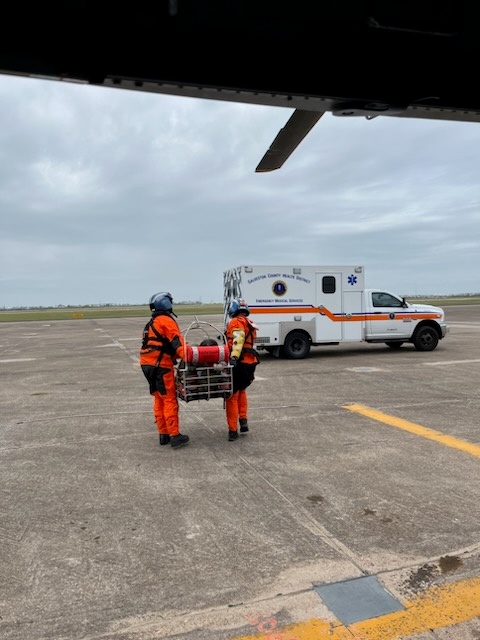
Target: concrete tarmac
column 349, row 511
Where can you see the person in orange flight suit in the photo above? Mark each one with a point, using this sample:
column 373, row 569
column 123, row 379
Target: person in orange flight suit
column 240, row 335
column 162, row 345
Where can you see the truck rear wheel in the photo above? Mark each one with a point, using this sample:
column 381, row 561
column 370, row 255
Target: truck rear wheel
column 297, row 345
column 425, row 339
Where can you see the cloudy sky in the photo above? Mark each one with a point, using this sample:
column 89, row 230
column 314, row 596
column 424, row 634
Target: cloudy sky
column 108, row 196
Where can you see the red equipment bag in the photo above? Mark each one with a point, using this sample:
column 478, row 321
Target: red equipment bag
column 207, row 355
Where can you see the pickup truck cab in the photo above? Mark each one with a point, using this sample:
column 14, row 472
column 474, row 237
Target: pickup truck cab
column 393, row 320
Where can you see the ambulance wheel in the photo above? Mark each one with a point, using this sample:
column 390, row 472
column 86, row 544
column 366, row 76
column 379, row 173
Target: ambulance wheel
column 425, row 339
column 394, row 345
column 297, row 345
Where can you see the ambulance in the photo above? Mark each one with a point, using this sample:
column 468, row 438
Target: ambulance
column 298, row 307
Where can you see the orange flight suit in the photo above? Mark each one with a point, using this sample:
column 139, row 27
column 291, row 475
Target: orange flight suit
column 240, row 335
column 162, row 344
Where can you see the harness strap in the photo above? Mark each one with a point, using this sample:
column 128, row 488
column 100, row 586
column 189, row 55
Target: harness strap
column 147, row 340
column 248, row 349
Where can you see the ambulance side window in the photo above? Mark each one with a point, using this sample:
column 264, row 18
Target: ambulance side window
column 328, row 284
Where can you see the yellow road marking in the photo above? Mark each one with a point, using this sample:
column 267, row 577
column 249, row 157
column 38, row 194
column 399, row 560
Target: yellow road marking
column 417, row 429
column 437, row 608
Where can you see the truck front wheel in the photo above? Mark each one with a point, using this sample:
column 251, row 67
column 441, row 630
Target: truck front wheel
column 297, row 345
column 425, row 339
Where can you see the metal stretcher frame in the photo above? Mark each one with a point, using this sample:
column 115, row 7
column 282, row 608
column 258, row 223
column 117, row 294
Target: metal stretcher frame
column 206, row 373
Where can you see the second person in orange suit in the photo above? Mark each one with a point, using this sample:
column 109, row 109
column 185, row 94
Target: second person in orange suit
column 240, row 335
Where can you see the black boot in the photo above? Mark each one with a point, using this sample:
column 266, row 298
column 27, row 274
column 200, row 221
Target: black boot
column 164, row 438
column 243, row 425
column 232, row 435
column 179, row 441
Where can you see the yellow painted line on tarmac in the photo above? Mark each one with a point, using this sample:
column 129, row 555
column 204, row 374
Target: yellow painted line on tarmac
column 417, row 429
column 437, row 608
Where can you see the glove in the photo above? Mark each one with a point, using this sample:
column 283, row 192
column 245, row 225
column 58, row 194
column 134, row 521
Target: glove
column 233, row 361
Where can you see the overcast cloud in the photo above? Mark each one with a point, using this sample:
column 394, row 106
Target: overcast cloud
column 108, row 196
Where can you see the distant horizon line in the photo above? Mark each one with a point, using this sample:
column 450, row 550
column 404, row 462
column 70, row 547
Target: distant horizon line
column 198, row 302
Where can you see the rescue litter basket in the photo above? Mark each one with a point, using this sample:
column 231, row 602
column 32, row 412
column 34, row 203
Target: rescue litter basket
column 206, row 373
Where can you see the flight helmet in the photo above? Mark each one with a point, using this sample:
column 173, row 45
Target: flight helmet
column 161, row 301
column 238, row 305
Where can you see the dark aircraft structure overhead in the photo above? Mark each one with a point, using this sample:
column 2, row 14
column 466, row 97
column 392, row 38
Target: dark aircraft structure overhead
column 400, row 58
